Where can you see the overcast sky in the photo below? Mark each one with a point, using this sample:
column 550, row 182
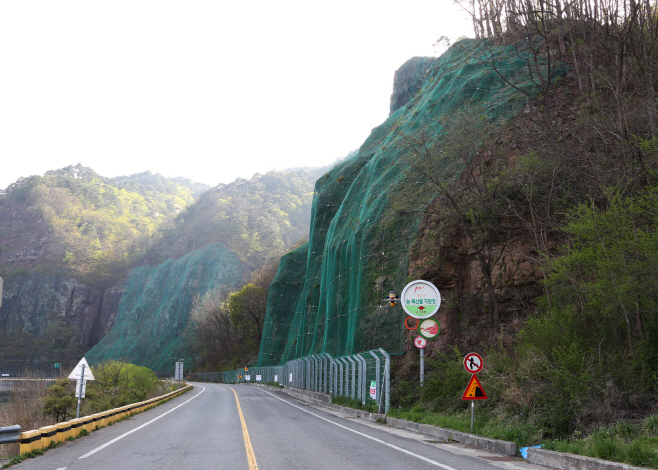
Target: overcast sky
column 209, row 90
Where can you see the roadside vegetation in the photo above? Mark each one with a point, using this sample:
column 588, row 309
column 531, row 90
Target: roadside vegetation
column 575, row 176
column 32, row 404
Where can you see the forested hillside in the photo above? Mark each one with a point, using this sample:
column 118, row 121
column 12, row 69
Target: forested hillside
column 254, row 218
column 77, row 222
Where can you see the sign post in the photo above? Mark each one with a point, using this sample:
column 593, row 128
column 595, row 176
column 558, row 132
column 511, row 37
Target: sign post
column 421, row 300
column 473, row 364
column 81, row 374
column 178, row 375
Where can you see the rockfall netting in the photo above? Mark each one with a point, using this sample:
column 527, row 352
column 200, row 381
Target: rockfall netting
column 328, row 296
column 156, row 304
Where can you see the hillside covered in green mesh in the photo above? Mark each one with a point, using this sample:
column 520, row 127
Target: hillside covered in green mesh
column 327, row 295
column 156, row 304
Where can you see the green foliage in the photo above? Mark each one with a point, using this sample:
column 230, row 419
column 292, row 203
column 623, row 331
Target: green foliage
column 254, row 218
column 95, row 226
column 594, row 347
column 60, row 402
column 118, row 384
column 247, row 307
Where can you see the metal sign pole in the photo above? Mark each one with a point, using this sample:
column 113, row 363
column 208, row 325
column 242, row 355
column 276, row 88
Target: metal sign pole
column 422, row 366
column 82, row 378
column 472, row 413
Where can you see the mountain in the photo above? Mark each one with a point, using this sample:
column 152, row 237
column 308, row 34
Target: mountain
column 74, row 243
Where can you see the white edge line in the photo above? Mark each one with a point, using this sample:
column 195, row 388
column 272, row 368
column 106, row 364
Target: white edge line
column 138, row 428
column 433, row 462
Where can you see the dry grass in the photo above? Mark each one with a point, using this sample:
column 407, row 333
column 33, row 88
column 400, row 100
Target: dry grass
column 25, row 408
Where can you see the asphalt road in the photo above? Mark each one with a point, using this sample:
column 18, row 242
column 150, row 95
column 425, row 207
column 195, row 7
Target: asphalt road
column 242, row 427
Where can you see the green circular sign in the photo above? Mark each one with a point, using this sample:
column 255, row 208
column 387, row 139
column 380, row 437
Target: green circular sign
column 429, row 328
column 420, row 299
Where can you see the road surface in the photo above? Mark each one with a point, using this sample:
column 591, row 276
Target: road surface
column 246, row 428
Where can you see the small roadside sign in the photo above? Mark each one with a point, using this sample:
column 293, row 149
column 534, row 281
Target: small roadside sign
column 291, row 377
column 474, row 390
column 57, row 365
column 78, row 371
column 373, row 389
column 429, row 329
column 276, row 378
column 420, row 299
column 247, row 377
column 473, row 363
column 259, row 378
column 420, row 342
column 178, row 374
column 80, row 391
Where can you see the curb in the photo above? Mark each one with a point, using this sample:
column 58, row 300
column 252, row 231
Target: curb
column 492, row 445
column 562, row 460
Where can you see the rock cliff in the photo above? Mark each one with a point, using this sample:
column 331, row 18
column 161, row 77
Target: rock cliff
column 359, row 244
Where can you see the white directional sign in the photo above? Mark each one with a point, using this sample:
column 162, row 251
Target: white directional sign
column 178, row 373
column 78, row 374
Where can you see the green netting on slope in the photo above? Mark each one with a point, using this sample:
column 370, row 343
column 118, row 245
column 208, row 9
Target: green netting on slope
column 339, row 310
column 156, row 305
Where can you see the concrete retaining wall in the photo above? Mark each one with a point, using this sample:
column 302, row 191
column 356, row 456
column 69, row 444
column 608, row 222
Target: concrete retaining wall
column 42, row 437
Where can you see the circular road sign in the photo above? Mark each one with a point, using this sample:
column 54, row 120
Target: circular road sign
column 473, row 363
column 420, row 299
column 429, row 329
column 420, row 342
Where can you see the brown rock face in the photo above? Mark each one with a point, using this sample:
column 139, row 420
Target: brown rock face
column 51, row 318
column 464, row 313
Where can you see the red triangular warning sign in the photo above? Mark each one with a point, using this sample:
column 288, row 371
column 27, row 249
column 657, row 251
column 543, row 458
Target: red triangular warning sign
column 474, row 390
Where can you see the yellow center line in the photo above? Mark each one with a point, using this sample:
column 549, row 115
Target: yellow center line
column 251, row 457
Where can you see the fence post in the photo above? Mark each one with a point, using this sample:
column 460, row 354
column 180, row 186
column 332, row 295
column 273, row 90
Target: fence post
column 363, row 365
column 387, row 379
column 378, row 389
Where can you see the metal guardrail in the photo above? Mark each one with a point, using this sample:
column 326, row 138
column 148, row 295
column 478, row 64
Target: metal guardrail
column 10, row 434
column 348, row 376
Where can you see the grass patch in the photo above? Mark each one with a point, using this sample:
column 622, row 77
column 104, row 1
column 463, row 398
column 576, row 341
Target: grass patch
column 370, row 406
column 625, row 442
column 487, row 423
column 274, row 384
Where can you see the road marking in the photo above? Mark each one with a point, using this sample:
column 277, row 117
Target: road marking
column 245, row 434
column 138, row 428
column 433, row 462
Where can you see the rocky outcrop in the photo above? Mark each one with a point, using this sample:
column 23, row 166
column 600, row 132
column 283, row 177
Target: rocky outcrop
column 47, row 318
column 408, row 81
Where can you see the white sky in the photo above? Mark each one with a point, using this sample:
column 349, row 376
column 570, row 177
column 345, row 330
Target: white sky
column 209, row 90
